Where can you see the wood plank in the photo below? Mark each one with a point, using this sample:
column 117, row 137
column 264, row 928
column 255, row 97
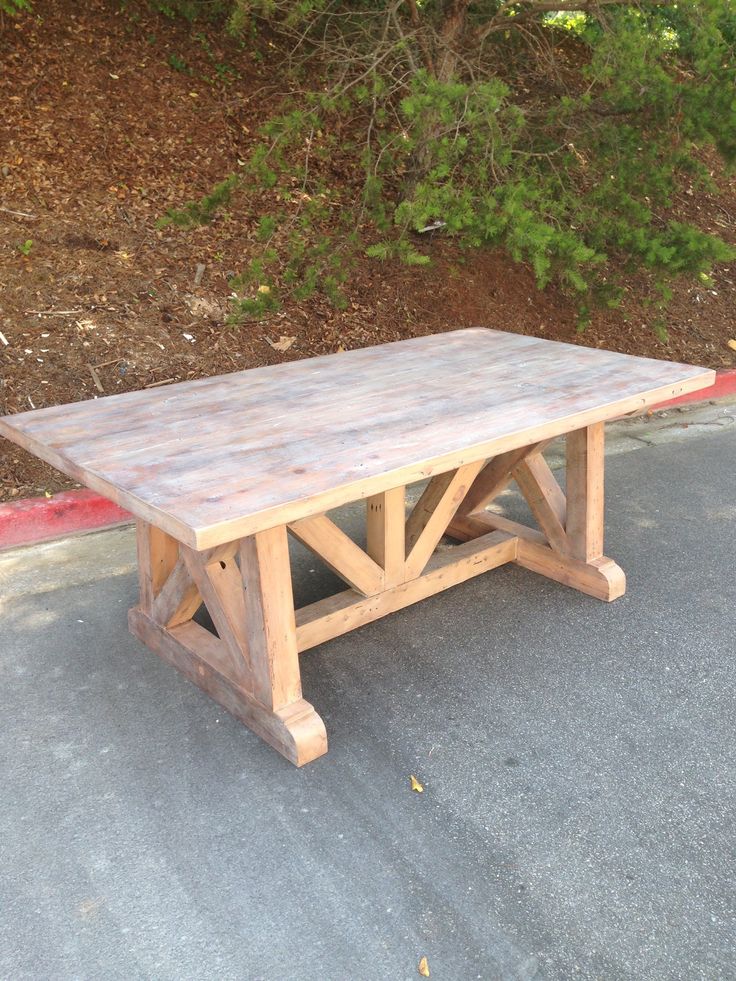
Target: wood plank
column 425, row 506
column 585, row 451
column 464, row 527
column 221, row 587
column 295, row 730
column 157, row 556
column 385, row 533
column 433, row 513
column 207, row 648
column 339, row 614
column 220, row 553
column 495, row 477
column 269, row 618
column 213, row 460
column 601, row 578
column 545, row 499
column 179, row 598
column 339, row 553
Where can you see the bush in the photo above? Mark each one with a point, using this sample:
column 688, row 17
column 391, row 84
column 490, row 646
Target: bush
column 191, row 10
column 13, row 7
column 558, row 135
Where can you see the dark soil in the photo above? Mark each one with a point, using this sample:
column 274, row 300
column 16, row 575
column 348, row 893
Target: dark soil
column 109, row 116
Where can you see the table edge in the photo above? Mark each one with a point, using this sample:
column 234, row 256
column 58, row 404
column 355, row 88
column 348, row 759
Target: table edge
column 205, row 537
column 234, row 528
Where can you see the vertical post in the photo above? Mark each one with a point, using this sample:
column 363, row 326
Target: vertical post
column 269, row 618
column 385, row 524
column 157, row 556
column 585, row 450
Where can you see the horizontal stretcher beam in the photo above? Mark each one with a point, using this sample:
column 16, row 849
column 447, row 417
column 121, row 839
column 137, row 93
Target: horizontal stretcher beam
column 347, row 610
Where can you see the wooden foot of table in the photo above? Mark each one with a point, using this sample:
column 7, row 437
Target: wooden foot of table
column 568, row 544
column 601, row 578
column 296, row 730
column 251, row 666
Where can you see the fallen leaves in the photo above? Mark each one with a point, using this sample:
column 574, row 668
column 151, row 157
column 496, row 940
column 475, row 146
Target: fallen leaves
column 282, row 344
column 415, row 785
column 732, row 344
column 202, row 306
column 423, row 967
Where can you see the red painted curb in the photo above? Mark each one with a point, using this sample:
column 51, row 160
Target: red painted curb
column 41, row 519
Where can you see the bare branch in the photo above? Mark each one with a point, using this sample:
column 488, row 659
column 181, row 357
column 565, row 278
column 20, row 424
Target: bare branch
column 421, row 37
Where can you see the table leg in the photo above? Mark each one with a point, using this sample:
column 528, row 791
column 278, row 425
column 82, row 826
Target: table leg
column 385, row 533
column 568, row 546
column 251, row 666
column 585, row 506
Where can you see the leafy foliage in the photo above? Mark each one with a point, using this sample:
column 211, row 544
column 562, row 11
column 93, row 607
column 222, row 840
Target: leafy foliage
column 191, row 10
column 559, row 136
column 13, row 7
column 203, row 211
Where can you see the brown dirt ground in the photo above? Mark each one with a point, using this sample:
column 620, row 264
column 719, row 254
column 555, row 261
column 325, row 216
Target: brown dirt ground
column 99, row 135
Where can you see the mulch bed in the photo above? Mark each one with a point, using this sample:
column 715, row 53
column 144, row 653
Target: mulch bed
column 112, row 114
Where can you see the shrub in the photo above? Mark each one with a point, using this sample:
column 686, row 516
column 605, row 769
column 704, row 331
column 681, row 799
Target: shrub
column 13, row 7
column 558, row 135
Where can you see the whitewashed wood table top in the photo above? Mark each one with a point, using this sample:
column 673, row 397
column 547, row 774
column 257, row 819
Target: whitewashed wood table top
column 215, row 459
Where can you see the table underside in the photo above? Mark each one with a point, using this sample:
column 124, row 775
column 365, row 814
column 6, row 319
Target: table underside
column 251, row 664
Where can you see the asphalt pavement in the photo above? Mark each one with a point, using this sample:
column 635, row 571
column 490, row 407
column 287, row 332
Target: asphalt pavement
column 578, row 818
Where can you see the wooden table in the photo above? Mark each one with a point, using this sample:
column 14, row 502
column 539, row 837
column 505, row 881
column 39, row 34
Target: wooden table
column 219, row 471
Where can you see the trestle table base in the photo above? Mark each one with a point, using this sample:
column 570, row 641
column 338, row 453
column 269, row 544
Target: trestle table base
column 251, row 665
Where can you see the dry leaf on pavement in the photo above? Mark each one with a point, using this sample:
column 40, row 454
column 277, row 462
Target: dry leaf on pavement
column 424, row 967
column 415, row 785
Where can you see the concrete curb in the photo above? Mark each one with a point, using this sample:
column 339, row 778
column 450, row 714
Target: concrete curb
column 41, row 519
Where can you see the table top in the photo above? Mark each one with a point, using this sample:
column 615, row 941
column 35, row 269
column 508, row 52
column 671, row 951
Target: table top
column 216, row 459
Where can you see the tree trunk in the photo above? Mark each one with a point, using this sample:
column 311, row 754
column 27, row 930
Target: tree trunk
column 450, row 33
column 444, row 65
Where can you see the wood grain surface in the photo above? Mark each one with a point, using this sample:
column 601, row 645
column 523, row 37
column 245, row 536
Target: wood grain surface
column 216, row 459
